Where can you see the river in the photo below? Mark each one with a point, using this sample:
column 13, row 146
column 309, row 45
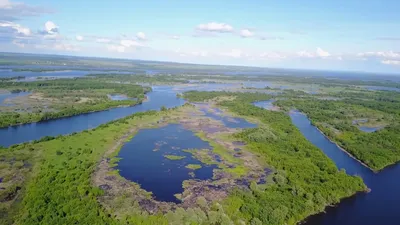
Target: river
column 377, row 207
column 160, row 96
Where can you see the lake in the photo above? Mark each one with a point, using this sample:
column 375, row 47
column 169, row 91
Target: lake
column 10, row 96
column 144, row 162
column 230, row 122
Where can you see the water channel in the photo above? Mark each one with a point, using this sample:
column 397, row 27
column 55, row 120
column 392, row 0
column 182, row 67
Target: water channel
column 160, row 96
column 377, row 207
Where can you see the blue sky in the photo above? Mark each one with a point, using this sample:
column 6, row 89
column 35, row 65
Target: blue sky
column 334, row 35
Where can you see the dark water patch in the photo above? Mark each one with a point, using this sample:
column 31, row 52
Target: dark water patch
column 10, row 96
column 369, row 129
column 230, row 122
column 377, row 207
column 120, row 97
column 206, row 87
column 160, row 96
column 239, row 143
column 155, row 173
column 268, row 105
column 257, row 84
column 381, row 88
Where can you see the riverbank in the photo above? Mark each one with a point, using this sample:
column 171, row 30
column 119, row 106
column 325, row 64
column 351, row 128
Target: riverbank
column 341, row 148
column 79, row 154
column 47, row 116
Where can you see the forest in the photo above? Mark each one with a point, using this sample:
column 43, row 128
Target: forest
column 342, row 118
column 55, row 175
column 51, row 99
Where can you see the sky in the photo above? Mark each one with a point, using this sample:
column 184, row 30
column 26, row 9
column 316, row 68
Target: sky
column 358, row 35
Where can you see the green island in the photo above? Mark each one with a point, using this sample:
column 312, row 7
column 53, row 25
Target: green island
column 51, row 99
column 193, row 166
column 59, row 177
column 174, row 157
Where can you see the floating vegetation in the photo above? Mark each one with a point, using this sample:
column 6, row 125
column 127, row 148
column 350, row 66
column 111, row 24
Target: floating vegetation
column 174, row 157
column 193, row 166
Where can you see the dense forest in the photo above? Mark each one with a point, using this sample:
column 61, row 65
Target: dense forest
column 306, row 180
column 55, row 176
column 340, row 120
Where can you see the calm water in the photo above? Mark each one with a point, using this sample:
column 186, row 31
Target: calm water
column 375, row 208
column 11, row 96
column 369, row 129
column 119, row 97
column 143, row 160
column 32, row 75
column 230, row 122
column 265, row 104
column 380, row 88
column 62, row 73
column 160, row 96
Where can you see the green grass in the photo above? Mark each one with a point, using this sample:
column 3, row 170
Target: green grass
column 193, row 166
column 58, row 188
column 174, row 157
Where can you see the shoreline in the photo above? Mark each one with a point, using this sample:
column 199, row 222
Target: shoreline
column 337, row 145
column 348, row 153
column 62, row 117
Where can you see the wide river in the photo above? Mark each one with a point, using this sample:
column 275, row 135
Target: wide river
column 377, row 207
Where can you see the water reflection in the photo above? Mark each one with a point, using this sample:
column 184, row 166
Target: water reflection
column 144, row 162
column 376, row 207
column 160, row 96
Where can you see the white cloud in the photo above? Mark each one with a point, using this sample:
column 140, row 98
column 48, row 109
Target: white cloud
column 5, row 4
column 318, row 53
column 391, row 62
column 305, row 54
column 51, row 27
column 130, row 43
column 389, row 54
column 103, row 40
column 235, row 53
column 175, row 37
column 13, row 11
column 246, row 33
column 215, row 27
column 322, row 53
column 79, row 38
column 18, row 28
column 264, row 38
column 19, row 44
column 200, row 53
column 271, row 55
column 141, row 36
column 116, row 48
column 66, row 47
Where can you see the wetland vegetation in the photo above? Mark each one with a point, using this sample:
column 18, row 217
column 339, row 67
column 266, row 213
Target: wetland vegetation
column 242, row 165
column 60, row 176
column 53, row 99
column 343, row 120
